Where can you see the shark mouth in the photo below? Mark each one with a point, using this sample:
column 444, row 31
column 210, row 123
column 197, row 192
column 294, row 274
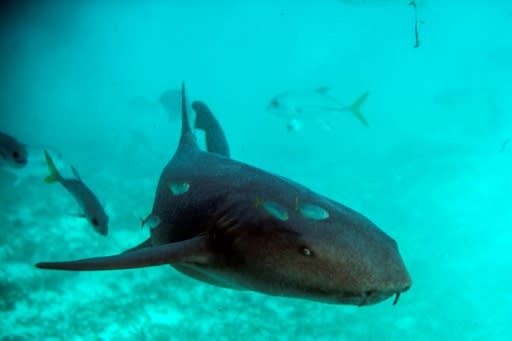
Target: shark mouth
column 372, row 297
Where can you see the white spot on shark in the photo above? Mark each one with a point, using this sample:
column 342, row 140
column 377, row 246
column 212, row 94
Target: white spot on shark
column 275, row 209
column 179, row 188
column 313, row 212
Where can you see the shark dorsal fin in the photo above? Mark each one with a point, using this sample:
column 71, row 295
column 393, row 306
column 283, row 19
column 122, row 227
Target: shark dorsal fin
column 187, row 139
column 205, row 120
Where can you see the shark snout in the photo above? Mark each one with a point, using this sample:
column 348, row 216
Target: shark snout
column 390, row 278
column 380, row 291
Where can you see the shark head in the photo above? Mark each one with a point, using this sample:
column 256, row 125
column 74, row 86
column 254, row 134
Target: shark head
column 320, row 251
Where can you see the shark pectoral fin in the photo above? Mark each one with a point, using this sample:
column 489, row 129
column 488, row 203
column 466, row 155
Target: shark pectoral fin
column 145, row 244
column 194, row 250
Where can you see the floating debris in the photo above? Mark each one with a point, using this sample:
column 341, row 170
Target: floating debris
column 151, row 221
column 312, row 211
column 413, row 4
column 179, row 188
column 275, row 209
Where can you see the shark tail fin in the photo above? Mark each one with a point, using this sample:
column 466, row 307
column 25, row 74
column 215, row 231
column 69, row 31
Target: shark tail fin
column 54, row 174
column 355, row 109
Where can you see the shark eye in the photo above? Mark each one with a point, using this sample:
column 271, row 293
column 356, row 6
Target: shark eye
column 306, row 251
column 274, row 104
column 15, row 155
column 94, row 222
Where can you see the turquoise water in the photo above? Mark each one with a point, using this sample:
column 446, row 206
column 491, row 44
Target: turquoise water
column 432, row 169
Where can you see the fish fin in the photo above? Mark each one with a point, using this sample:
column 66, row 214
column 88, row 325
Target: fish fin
column 75, row 173
column 195, row 250
column 54, row 174
column 258, row 203
column 323, row 90
column 143, row 221
column 355, row 108
column 216, row 141
column 187, row 138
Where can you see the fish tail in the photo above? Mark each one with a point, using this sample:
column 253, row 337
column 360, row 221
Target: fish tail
column 54, row 174
column 355, row 109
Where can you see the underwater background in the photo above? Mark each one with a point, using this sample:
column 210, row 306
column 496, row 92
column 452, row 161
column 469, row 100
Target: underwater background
column 433, row 169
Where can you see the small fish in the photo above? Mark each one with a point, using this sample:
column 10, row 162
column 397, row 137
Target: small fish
column 90, row 205
column 298, row 104
column 178, row 188
column 12, row 152
column 151, row 221
column 272, row 207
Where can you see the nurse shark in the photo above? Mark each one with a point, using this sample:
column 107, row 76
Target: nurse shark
column 236, row 226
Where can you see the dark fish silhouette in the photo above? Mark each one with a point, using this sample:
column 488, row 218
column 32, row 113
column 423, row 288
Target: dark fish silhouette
column 12, row 152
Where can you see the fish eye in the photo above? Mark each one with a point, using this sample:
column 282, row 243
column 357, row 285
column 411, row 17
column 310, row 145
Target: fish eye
column 15, row 155
column 274, row 103
column 94, row 221
column 306, row 251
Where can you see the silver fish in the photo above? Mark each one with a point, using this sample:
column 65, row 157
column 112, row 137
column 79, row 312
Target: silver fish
column 295, row 105
column 92, row 209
